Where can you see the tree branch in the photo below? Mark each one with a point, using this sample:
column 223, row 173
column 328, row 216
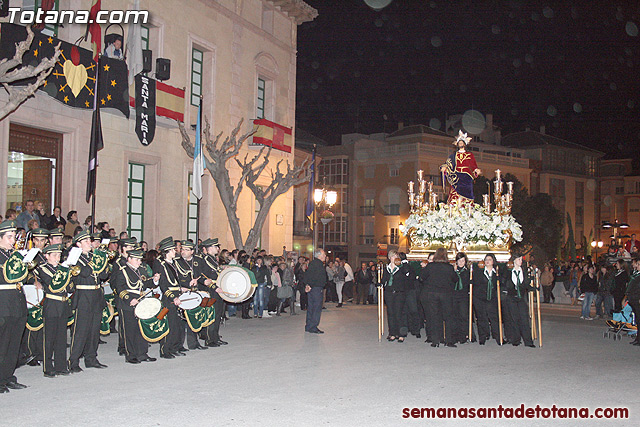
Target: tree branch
column 10, row 74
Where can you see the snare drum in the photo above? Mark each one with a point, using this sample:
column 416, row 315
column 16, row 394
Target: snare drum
column 33, row 295
column 148, row 308
column 188, row 301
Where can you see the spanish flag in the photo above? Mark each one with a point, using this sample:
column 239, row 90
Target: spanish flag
column 272, row 135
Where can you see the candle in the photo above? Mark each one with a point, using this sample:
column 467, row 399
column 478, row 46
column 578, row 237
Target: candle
column 469, row 207
column 423, row 186
column 420, row 175
column 498, row 175
column 430, row 186
column 510, row 187
column 411, row 199
column 487, row 206
column 488, row 187
column 410, row 186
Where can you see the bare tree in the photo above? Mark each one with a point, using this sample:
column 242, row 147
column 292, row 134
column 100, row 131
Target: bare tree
column 220, row 152
column 11, row 71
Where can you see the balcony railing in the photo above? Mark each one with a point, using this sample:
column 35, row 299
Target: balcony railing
column 301, row 228
column 367, row 210
column 367, row 239
column 392, row 209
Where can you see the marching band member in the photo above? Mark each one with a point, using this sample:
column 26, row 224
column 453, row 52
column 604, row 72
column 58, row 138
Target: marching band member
column 13, row 306
column 189, row 268
column 516, row 283
column 88, row 302
column 129, row 283
column 170, row 287
column 124, row 245
column 211, row 269
column 56, row 282
column 32, row 340
column 485, row 300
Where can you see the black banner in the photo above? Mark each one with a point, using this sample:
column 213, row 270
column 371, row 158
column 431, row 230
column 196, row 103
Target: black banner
column 145, row 109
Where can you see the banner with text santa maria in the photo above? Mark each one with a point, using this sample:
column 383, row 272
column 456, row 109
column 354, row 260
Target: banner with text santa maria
column 272, row 134
column 145, row 108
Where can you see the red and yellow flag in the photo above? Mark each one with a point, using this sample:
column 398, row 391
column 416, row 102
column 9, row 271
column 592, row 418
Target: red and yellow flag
column 272, row 134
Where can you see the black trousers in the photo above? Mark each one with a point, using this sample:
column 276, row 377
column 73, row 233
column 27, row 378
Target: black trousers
column 86, row 328
column 395, row 304
column 172, row 342
column 547, row 291
column 412, row 312
column 363, row 292
column 617, row 301
column 11, row 329
column 55, row 343
column 314, row 309
column 304, row 298
column 460, row 314
column 33, row 343
column 439, row 305
column 347, row 290
column 192, row 337
column 213, row 330
column 486, row 313
column 135, row 346
column 517, row 322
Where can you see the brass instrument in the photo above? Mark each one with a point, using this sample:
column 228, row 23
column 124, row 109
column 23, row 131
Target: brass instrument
column 110, row 254
column 74, row 270
column 21, row 242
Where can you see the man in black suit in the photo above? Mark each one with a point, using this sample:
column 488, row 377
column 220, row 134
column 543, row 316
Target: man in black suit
column 315, row 279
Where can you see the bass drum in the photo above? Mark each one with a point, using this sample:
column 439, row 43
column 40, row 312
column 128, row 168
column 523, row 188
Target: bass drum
column 235, row 284
column 33, row 295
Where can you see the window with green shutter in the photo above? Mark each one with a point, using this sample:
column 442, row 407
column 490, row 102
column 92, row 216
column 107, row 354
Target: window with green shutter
column 135, row 201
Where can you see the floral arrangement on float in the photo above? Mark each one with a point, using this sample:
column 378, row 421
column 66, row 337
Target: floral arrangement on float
column 461, row 225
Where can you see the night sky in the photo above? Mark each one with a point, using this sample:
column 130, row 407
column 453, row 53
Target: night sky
column 571, row 66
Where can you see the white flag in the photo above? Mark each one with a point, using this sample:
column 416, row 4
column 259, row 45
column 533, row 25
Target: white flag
column 134, row 47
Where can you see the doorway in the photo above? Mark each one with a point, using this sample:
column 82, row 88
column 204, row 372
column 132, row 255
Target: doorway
column 34, row 170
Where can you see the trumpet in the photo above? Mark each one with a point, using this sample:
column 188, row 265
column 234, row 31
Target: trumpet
column 74, row 270
column 110, row 254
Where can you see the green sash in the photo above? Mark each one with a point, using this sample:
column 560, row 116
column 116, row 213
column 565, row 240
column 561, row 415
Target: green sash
column 107, row 315
column 154, row 329
column 99, row 261
column 14, row 269
column 34, row 318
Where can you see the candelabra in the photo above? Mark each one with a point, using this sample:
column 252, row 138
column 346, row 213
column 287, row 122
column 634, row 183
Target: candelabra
column 503, row 202
column 417, row 201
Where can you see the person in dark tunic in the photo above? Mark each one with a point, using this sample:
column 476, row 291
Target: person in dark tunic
column 485, row 300
column 460, row 302
column 517, row 282
column 438, row 280
column 397, row 279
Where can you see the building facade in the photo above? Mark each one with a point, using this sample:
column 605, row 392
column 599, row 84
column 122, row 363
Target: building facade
column 239, row 55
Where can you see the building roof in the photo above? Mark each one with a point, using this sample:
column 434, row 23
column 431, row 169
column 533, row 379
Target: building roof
column 417, row 130
column 530, row 139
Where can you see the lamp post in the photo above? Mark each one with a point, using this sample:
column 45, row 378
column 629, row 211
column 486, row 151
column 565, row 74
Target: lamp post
column 597, row 245
column 326, row 199
column 615, row 225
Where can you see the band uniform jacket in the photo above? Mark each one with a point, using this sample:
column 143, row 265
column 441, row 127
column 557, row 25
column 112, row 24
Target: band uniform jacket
column 86, row 276
column 210, row 270
column 53, row 307
column 130, row 284
column 12, row 301
column 188, row 270
column 169, row 281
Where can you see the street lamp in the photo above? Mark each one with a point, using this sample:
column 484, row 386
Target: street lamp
column 615, row 225
column 597, row 245
column 326, row 199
